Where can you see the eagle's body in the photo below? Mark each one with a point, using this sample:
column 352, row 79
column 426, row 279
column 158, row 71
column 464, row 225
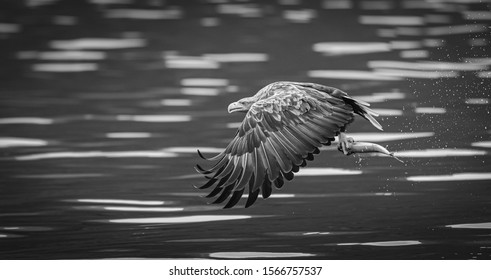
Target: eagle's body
column 285, row 124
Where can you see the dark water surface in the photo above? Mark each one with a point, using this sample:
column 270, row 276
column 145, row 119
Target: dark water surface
column 103, row 104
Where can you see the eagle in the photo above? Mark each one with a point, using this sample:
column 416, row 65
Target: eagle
column 285, row 124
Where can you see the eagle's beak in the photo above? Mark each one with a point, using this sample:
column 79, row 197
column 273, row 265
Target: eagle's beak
column 236, row 107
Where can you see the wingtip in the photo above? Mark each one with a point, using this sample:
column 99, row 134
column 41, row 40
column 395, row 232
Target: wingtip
column 201, row 155
column 200, row 169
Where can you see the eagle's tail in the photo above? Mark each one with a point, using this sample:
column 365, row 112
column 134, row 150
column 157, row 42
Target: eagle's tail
column 362, row 109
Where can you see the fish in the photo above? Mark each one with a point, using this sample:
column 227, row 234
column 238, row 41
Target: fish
column 367, row 147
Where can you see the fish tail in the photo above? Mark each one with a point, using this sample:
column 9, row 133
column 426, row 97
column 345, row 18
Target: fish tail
column 398, row 159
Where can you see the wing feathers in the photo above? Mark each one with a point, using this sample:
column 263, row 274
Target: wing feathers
column 253, row 194
column 266, row 189
column 234, row 199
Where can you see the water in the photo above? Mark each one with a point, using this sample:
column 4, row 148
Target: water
column 104, row 103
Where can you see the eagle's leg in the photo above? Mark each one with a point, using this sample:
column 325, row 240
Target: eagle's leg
column 345, row 143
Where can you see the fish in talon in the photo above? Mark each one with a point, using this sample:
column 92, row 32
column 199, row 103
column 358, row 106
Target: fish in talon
column 367, row 147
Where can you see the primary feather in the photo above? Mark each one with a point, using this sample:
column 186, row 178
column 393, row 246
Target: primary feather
column 284, row 126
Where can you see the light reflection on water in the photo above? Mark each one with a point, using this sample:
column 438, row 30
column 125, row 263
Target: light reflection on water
column 211, row 240
column 430, row 110
column 204, row 82
column 154, row 118
column 477, row 101
column 451, row 177
column 385, row 243
column 200, row 91
column 128, row 135
column 122, row 201
column 98, row 43
column 9, row 27
column 414, row 54
column 432, row 153
column 388, row 136
column 477, row 15
column 61, row 176
column 143, row 209
column 392, row 20
column 97, row 154
column 455, row 29
column 326, row 172
column 176, row 102
column 472, row 226
column 344, row 48
column 144, row 14
column 482, row 144
column 417, row 74
column 258, row 255
column 381, row 96
column 5, row 235
column 299, row 16
column 26, row 120
column 189, row 62
column 237, row 57
column 8, row 142
column 353, row 75
column 427, row 65
column 180, row 220
column 319, row 233
column 63, row 55
column 65, row 67
column 27, row 228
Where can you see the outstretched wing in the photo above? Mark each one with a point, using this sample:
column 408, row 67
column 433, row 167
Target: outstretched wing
column 276, row 137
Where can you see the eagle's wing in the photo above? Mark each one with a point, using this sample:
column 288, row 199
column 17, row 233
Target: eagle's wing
column 276, row 137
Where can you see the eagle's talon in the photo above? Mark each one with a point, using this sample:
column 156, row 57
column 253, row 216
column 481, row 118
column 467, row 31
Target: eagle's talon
column 345, row 144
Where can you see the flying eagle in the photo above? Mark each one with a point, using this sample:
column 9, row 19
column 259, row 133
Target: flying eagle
column 284, row 126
